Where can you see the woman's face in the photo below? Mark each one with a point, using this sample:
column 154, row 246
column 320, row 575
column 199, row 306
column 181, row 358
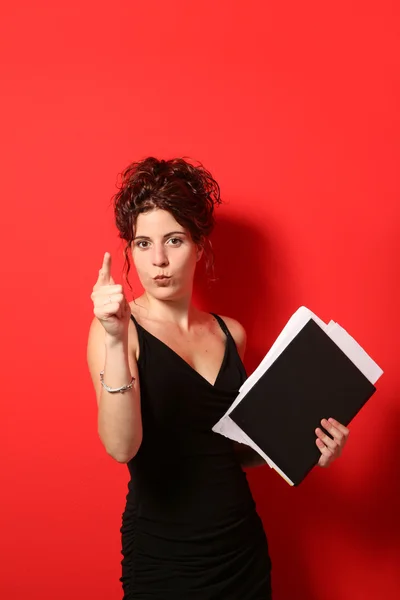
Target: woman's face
column 164, row 255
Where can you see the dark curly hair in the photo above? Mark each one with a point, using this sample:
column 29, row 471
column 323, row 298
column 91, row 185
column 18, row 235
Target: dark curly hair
column 188, row 192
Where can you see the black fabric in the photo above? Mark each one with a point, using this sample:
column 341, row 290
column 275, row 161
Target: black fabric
column 312, row 379
column 190, row 529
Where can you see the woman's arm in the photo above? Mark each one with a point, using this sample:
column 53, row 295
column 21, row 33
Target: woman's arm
column 119, row 415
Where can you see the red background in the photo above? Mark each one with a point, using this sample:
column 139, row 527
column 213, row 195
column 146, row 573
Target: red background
column 294, row 107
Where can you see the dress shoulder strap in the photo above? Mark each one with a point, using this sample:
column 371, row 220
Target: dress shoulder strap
column 231, row 341
column 140, row 332
column 134, row 320
column 223, row 325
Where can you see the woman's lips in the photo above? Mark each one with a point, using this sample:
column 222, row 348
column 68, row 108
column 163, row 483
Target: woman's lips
column 161, row 280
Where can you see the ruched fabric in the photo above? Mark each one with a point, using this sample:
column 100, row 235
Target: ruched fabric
column 190, row 529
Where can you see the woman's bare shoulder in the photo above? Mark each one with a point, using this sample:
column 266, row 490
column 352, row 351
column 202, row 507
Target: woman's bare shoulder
column 238, row 333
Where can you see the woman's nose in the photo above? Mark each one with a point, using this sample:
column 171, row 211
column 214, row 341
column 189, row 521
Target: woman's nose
column 160, row 258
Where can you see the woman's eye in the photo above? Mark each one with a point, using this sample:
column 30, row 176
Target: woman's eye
column 175, row 241
column 144, row 244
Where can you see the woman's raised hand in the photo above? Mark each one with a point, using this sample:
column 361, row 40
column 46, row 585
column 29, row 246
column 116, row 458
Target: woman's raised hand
column 109, row 303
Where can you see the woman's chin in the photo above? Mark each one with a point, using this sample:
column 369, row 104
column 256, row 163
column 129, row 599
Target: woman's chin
column 167, row 292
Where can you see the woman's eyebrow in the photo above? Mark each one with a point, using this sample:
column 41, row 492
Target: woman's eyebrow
column 145, row 237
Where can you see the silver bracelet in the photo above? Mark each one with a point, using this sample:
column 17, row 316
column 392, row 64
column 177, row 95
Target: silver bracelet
column 121, row 389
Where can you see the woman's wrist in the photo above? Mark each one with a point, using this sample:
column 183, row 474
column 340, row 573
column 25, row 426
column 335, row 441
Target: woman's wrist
column 112, row 342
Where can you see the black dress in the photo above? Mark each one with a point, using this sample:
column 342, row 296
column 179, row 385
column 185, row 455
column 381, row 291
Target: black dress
column 190, row 529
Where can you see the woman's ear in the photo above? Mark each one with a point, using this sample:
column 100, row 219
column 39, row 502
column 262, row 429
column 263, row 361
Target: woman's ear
column 199, row 252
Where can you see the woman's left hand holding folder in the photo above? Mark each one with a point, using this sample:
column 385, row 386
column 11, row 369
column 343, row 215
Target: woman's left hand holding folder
column 331, row 448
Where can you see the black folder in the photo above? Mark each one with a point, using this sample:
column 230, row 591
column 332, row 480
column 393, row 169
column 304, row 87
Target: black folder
column 311, row 379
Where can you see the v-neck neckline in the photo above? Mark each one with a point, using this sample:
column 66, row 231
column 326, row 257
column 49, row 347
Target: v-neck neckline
column 192, row 369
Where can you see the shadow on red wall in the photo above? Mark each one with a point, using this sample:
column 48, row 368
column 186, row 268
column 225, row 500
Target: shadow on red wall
column 256, row 286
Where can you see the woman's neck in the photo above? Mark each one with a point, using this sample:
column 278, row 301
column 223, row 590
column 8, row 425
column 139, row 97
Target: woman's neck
column 180, row 312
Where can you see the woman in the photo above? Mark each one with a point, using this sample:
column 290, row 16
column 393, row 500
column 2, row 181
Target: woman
column 164, row 373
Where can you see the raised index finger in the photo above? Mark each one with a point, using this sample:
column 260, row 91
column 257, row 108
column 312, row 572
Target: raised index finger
column 105, row 271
